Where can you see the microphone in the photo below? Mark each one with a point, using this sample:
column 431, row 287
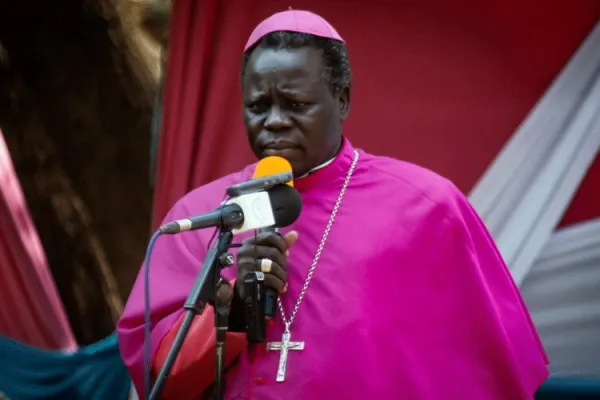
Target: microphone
column 280, row 206
column 263, row 182
column 269, row 166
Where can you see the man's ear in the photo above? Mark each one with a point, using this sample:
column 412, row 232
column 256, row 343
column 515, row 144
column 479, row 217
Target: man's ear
column 344, row 103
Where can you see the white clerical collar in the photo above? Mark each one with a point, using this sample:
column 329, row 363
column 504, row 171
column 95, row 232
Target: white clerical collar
column 318, row 167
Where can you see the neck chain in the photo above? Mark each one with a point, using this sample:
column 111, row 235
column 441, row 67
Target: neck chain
column 318, row 167
column 288, row 323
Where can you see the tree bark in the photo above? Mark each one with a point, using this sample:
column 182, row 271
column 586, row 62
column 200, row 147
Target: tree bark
column 139, row 30
column 77, row 123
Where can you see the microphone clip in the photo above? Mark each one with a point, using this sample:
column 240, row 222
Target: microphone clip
column 254, row 307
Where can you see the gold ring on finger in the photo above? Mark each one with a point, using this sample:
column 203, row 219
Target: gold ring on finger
column 265, row 265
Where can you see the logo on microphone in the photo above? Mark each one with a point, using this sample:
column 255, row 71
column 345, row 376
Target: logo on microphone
column 258, row 209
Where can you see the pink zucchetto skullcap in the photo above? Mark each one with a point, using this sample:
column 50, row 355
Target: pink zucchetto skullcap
column 293, row 21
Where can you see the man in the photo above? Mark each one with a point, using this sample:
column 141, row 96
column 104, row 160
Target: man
column 388, row 277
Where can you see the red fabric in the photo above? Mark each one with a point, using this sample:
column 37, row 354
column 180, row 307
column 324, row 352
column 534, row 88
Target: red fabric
column 585, row 204
column 184, row 101
column 30, row 308
column 194, row 369
column 454, row 79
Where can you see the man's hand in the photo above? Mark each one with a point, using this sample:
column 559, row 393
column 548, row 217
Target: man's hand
column 270, row 246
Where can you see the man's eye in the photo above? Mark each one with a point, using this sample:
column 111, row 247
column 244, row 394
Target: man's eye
column 297, row 105
column 256, row 107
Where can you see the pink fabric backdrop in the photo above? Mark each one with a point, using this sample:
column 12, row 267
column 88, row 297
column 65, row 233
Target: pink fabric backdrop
column 30, row 308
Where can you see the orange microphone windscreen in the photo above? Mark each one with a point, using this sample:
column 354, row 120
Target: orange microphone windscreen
column 272, row 165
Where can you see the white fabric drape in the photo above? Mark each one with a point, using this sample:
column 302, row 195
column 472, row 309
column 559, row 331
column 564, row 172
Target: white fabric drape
column 525, row 191
column 522, row 197
column 133, row 393
column 562, row 292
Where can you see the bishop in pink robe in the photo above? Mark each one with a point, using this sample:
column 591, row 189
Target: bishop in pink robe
column 410, row 298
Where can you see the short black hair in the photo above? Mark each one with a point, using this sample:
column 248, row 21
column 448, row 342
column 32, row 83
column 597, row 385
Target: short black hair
column 335, row 54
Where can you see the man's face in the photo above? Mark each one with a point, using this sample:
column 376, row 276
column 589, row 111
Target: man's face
column 289, row 110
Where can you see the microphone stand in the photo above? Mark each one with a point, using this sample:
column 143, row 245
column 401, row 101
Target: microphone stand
column 202, row 292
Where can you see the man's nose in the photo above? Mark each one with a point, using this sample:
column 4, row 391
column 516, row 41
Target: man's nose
column 277, row 120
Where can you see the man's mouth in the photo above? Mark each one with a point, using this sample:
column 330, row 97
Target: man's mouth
column 285, row 152
column 281, row 149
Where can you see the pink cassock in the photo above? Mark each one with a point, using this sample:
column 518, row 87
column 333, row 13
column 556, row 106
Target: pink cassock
column 410, row 300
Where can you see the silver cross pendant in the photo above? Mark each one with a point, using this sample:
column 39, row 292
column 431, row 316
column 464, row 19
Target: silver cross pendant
column 284, row 346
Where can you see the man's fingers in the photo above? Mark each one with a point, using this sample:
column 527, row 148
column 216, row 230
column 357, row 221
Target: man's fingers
column 275, row 279
column 289, row 239
column 275, row 269
column 273, row 282
column 248, row 255
column 271, row 246
column 269, row 239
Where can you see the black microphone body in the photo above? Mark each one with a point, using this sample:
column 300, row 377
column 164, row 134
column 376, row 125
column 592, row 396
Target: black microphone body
column 282, row 203
column 229, row 216
column 263, row 183
column 270, row 293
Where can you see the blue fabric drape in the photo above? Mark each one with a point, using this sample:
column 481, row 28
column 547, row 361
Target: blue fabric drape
column 94, row 372
column 570, row 388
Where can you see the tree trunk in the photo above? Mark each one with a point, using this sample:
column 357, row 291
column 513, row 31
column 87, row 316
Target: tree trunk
column 76, row 114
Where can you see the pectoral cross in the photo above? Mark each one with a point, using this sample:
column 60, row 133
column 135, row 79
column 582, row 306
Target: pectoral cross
column 284, row 346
